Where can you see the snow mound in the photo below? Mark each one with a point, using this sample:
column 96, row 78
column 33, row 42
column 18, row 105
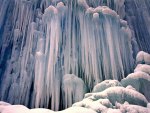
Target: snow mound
column 73, row 89
column 106, row 84
column 23, row 109
column 127, row 108
column 13, row 109
column 77, row 110
column 40, row 110
column 143, row 57
column 143, row 67
column 4, row 103
column 148, row 105
column 101, row 101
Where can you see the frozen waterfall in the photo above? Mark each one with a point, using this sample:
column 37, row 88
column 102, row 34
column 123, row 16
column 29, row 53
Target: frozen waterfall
column 43, row 40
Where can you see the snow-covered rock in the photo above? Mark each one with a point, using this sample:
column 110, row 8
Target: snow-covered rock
column 140, row 81
column 127, row 108
column 101, row 101
column 143, row 57
column 105, row 84
column 143, row 67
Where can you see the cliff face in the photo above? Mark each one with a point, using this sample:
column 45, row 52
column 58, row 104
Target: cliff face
column 42, row 40
column 138, row 18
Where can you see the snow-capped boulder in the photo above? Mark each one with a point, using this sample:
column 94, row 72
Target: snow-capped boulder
column 143, row 67
column 105, row 84
column 140, row 81
column 143, row 58
column 129, row 108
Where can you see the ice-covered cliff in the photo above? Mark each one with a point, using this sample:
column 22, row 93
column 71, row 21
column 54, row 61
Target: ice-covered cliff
column 43, row 40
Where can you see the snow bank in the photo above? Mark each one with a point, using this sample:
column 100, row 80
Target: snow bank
column 13, row 109
column 4, row 103
column 40, row 110
column 23, row 109
column 77, row 110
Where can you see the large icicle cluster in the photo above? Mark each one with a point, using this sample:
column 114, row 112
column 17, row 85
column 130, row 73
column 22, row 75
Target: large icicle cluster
column 52, row 38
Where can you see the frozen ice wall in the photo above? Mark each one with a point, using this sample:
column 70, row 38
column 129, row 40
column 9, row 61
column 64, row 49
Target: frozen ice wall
column 138, row 17
column 43, row 40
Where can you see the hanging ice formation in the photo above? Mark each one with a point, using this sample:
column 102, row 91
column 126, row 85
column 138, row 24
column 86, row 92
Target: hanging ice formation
column 73, row 89
column 42, row 40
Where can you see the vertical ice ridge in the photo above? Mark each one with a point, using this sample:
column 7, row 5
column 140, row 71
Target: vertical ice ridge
column 138, row 17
